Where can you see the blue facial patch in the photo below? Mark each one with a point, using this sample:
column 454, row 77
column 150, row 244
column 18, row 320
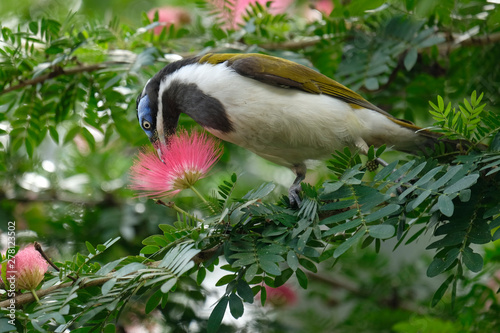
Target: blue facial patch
column 145, row 116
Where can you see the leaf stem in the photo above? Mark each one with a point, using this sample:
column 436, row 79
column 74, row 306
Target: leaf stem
column 33, row 292
column 178, row 209
column 201, row 197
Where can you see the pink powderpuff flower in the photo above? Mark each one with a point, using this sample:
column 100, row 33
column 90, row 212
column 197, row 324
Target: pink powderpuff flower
column 281, row 296
column 29, row 268
column 238, row 10
column 168, row 16
column 184, row 160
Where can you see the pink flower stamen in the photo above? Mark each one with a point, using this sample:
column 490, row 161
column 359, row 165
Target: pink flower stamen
column 184, row 160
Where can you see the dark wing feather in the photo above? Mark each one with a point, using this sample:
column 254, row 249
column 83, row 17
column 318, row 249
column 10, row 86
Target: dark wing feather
column 287, row 74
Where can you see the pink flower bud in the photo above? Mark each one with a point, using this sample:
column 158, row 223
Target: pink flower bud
column 28, row 267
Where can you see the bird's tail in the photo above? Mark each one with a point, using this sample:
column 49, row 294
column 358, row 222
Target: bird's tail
column 435, row 144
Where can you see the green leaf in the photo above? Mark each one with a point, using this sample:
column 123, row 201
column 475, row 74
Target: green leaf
column 496, row 235
column 110, row 328
column 235, row 306
column 381, row 213
column 465, row 195
column 371, row 153
column 283, row 278
column 382, row 231
column 428, row 176
column 244, row 291
column 88, row 137
column 53, row 49
column 410, row 4
column 439, row 265
column 309, row 265
column 150, row 249
column 153, row 301
column 54, row 134
column 167, row 286
column 129, row 268
column 70, row 135
column 260, row 192
column 263, row 295
column 422, row 196
column 462, row 184
column 340, row 217
column 30, row 146
column 292, row 260
column 411, row 58
column 452, row 238
column 270, row 267
column 108, row 285
column 480, row 232
column 343, row 227
column 371, row 83
column 225, row 280
column 200, row 276
column 302, row 278
column 217, row 314
column 440, row 103
column 251, row 272
column 244, row 259
column 445, row 205
column 473, row 261
column 441, row 291
column 495, row 142
column 33, row 25
column 160, row 240
column 301, row 244
column 348, row 243
column 90, row 248
column 452, row 171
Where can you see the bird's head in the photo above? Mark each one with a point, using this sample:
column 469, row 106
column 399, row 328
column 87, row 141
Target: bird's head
column 155, row 120
column 147, row 119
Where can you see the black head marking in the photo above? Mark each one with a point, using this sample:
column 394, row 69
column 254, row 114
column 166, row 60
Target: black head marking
column 189, row 99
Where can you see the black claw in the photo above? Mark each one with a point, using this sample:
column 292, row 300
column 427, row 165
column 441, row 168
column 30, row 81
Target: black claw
column 293, row 195
column 294, row 191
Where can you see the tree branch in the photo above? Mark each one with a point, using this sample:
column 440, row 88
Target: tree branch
column 455, row 43
column 57, row 71
column 28, row 297
column 288, row 45
column 293, row 44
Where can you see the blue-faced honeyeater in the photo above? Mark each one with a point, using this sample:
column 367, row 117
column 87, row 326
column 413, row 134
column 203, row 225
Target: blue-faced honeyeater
column 282, row 111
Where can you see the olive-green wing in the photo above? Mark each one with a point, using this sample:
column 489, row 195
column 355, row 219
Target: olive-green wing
column 288, row 74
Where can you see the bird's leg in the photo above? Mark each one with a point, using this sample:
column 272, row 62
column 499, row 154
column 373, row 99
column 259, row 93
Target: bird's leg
column 361, row 144
column 381, row 162
column 294, row 190
column 363, row 147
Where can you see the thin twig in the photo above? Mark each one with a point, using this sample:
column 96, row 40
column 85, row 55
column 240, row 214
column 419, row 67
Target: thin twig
column 172, row 205
column 38, row 247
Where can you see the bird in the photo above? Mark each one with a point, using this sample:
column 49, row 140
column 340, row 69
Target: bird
column 282, row 111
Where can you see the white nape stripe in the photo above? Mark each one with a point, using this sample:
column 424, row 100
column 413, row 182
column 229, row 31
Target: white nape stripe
column 160, row 129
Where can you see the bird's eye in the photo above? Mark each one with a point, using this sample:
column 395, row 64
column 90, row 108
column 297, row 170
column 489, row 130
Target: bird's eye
column 146, row 125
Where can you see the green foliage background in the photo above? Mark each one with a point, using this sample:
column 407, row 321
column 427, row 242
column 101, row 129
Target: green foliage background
column 69, row 133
